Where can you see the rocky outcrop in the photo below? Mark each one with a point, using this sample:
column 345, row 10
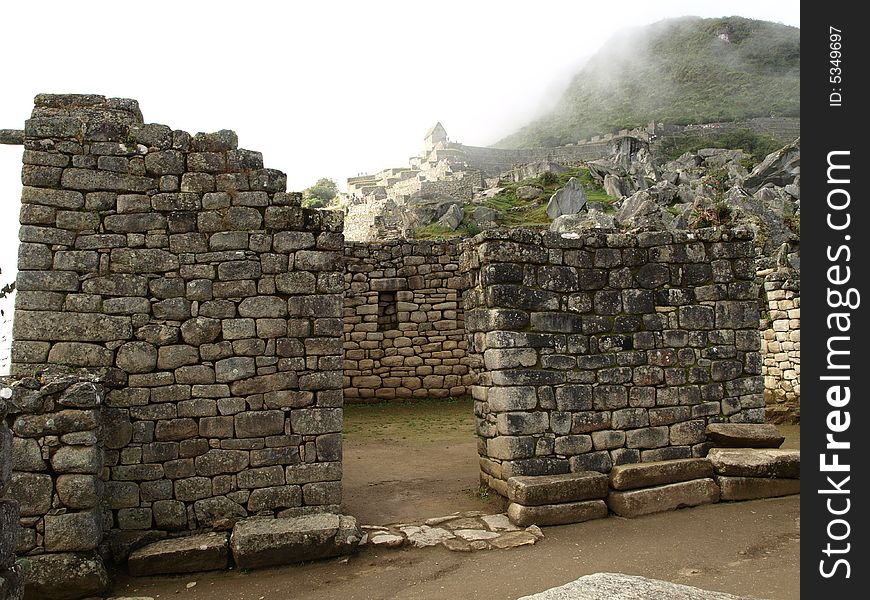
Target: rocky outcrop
column 567, row 201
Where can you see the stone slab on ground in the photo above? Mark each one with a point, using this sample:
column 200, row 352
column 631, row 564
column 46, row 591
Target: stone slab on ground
column 9, row 531
column 64, row 576
column 556, row 514
column 556, row 489
column 744, row 435
column 648, row 474
column 616, row 586
column 751, row 462
column 267, row 542
column 634, row 503
column 204, row 552
column 750, row 488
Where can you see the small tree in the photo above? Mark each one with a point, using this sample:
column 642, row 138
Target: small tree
column 319, row 194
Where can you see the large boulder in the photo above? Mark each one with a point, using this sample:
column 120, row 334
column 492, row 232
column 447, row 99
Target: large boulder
column 616, row 586
column 567, row 201
column 451, row 218
column 779, row 168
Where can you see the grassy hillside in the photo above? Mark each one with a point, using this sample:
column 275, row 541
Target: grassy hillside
column 687, row 70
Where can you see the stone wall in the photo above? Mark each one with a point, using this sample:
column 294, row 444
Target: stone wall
column 11, row 578
column 781, row 345
column 404, row 332
column 211, row 300
column 609, row 348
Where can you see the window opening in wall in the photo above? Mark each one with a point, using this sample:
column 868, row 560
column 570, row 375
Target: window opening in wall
column 388, row 313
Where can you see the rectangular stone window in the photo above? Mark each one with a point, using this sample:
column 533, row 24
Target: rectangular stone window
column 388, row 317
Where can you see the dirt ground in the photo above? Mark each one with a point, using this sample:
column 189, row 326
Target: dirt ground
column 411, row 462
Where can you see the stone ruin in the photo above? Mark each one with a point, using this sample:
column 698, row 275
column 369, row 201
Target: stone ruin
column 185, row 335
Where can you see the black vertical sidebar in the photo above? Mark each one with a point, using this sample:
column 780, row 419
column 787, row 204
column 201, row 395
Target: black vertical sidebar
column 835, row 301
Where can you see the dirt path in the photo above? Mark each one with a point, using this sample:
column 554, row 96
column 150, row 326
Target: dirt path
column 747, row 548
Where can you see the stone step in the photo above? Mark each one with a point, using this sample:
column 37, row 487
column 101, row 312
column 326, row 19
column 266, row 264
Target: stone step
column 648, row 474
column 616, row 586
column 744, row 435
column 266, row 542
column 753, row 462
column 634, row 503
column 204, row 552
column 556, row 489
column 556, row 514
column 750, row 488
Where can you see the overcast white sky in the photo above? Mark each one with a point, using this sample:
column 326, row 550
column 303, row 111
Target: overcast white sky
column 321, row 88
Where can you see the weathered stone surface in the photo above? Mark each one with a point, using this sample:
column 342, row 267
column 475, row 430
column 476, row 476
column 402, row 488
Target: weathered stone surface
column 634, row 503
column 648, row 474
column 744, row 435
column 750, row 488
column 9, row 531
column 750, row 462
column 69, row 326
column 567, row 201
column 556, row 514
column 72, row 532
column 616, row 586
column 32, row 491
column 66, row 576
column 258, row 543
column 78, row 491
column 422, row 536
column 205, row 552
column 555, row 489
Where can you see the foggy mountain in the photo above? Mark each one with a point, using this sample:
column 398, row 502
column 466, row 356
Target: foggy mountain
column 686, row 70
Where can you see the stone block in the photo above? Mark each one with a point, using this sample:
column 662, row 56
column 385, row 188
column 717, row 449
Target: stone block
column 258, row 543
column 66, row 576
column 744, row 435
column 259, row 423
column 33, row 493
column 556, row 514
column 648, row 437
column 69, row 326
column 649, row 474
column 634, row 503
column 510, row 447
column 556, row 489
column 274, row 498
column 204, row 552
column 73, row 532
column 78, row 491
column 217, row 461
column 750, row 488
column 751, row 462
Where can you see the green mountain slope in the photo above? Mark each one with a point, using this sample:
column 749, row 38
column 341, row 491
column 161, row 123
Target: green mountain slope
column 687, row 70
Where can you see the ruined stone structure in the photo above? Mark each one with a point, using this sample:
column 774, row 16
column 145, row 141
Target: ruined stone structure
column 209, row 329
column 604, row 349
column 209, row 300
column 458, row 170
column 404, row 323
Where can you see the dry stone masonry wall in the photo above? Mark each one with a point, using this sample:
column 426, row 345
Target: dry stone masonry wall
column 403, row 321
column 781, row 345
column 609, row 349
column 11, row 578
column 180, row 267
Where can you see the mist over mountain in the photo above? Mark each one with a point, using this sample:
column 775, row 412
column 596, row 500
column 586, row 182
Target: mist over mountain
column 686, row 70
